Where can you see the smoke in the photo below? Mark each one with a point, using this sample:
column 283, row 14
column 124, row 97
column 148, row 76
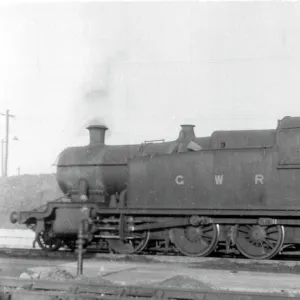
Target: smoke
column 96, row 121
column 96, row 105
column 95, row 95
column 99, row 84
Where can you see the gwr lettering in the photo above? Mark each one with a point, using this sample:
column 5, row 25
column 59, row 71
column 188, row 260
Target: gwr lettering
column 179, row 180
column 259, row 178
column 219, row 179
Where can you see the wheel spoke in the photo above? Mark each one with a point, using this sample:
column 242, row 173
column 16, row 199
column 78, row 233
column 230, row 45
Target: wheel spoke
column 272, row 230
column 243, row 231
column 207, row 229
column 207, row 236
column 269, row 244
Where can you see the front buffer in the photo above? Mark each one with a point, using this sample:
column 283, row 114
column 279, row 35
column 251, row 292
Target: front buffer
column 55, row 224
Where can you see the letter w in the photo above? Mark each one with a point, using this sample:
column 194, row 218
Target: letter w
column 219, row 179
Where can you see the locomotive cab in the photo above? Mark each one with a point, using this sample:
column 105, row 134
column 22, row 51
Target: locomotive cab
column 288, row 140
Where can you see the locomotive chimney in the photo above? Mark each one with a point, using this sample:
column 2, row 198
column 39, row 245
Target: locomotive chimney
column 97, row 134
column 187, row 133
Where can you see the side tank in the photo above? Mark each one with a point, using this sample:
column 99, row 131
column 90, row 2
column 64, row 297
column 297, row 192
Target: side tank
column 95, row 170
column 244, row 169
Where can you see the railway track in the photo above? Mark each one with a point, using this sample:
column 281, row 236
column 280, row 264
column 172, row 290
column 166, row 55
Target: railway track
column 93, row 252
column 12, row 289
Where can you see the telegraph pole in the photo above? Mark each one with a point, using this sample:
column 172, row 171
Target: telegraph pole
column 7, row 116
column 2, row 157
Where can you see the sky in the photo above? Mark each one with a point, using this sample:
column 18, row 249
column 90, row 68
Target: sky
column 142, row 69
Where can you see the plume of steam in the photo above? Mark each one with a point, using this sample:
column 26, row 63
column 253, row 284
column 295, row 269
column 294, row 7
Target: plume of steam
column 96, row 105
column 99, row 90
column 95, row 95
column 96, row 121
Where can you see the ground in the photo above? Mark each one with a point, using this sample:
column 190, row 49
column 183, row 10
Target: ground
column 191, row 274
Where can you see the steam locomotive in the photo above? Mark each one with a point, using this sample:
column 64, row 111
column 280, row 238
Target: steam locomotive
column 196, row 194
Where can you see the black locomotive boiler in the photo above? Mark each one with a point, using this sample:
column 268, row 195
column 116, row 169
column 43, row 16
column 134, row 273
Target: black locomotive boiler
column 235, row 187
